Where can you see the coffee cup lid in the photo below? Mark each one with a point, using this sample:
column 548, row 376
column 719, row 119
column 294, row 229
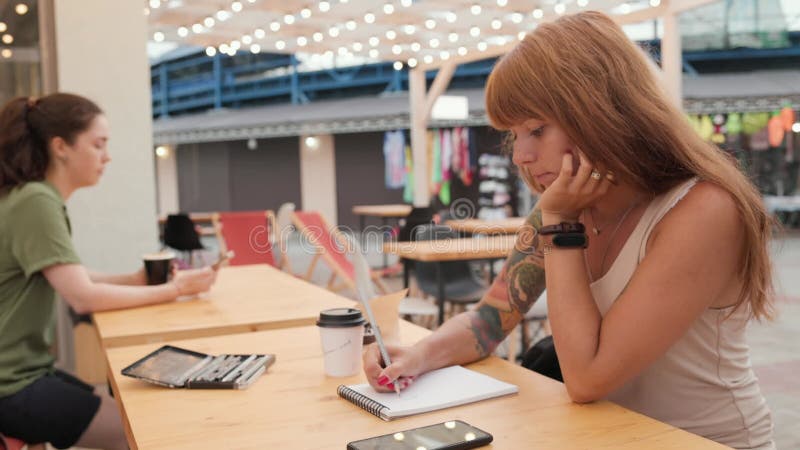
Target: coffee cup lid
column 340, row 318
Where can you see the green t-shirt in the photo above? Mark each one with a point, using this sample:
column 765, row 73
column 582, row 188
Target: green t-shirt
column 34, row 234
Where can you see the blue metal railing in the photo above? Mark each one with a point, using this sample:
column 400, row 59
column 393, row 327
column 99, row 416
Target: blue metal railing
column 198, row 82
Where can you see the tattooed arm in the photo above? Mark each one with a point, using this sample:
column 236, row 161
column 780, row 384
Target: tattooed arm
column 474, row 334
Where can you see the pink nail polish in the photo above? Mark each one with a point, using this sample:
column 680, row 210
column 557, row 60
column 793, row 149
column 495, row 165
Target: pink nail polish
column 383, row 380
column 390, row 386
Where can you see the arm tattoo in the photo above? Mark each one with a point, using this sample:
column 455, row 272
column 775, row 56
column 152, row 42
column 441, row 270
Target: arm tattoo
column 513, row 292
column 526, row 280
column 486, row 325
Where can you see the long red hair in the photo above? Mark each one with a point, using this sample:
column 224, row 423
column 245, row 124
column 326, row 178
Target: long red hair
column 583, row 73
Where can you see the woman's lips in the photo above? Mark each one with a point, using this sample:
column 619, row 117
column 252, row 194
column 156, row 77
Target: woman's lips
column 544, row 177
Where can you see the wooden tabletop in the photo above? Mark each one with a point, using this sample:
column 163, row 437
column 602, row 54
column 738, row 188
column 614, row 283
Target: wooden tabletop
column 244, row 298
column 479, row 226
column 382, row 210
column 482, row 247
column 294, row 405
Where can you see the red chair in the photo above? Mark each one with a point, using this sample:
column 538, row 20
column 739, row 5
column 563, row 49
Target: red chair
column 9, row 443
column 332, row 247
column 249, row 234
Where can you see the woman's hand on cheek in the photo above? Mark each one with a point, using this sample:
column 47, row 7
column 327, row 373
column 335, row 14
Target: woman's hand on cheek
column 564, row 200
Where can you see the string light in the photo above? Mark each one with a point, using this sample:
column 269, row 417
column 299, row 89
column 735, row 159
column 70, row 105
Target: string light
column 211, row 51
column 236, row 6
column 324, row 6
column 158, row 36
column 21, row 9
column 430, row 24
column 288, row 19
column 496, row 24
column 474, row 31
column 280, row 45
column 655, row 3
column 6, row 53
column 538, row 13
column 7, row 38
column 318, row 37
column 255, row 49
column 247, row 40
column 427, row 59
column 275, row 26
column 560, row 8
column 388, row 8
column 208, row 22
column 183, row 31
column 369, row 18
column 305, row 13
column 412, row 62
column 3, row 27
column 259, row 33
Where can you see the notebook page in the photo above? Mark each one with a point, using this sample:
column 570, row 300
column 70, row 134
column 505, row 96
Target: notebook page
column 438, row 389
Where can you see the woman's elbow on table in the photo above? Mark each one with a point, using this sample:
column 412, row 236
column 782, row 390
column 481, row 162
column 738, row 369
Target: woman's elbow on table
column 585, row 389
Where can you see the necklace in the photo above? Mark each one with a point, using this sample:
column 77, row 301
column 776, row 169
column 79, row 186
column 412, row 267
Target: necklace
column 611, row 237
column 597, row 230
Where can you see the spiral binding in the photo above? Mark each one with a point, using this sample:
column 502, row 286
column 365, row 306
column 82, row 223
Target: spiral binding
column 360, row 400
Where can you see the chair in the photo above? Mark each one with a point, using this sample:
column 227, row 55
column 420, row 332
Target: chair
column 462, row 285
column 538, row 314
column 180, row 234
column 248, row 234
column 283, row 229
column 331, row 245
column 9, row 443
column 407, row 307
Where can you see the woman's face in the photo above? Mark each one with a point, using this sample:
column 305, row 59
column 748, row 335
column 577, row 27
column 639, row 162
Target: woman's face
column 87, row 157
column 539, row 148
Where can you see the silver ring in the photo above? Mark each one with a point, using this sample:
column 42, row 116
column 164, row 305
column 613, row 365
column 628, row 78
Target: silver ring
column 596, row 175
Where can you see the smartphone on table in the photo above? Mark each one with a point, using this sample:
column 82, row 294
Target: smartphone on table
column 451, row 435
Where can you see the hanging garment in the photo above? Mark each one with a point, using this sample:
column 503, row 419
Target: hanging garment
column 455, row 160
column 408, row 191
column 394, row 144
column 472, row 145
column 775, row 131
column 787, row 117
column 734, row 124
column 759, row 141
column 436, row 170
column 447, row 153
column 754, row 122
column 718, row 136
column 706, row 127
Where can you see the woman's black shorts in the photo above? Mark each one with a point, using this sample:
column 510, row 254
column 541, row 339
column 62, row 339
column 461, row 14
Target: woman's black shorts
column 57, row 408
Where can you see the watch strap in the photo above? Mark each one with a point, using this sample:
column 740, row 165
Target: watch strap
column 563, row 227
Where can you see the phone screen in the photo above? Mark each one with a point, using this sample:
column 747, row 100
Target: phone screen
column 454, row 434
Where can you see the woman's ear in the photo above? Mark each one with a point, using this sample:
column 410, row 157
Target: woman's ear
column 58, row 148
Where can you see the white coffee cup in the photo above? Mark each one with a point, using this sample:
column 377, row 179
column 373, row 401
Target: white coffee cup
column 341, row 332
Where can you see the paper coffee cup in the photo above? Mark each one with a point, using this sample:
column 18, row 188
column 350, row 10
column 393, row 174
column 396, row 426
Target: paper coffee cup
column 157, row 266
column 341, row 332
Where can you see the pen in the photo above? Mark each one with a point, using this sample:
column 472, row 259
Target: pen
column 379, row 339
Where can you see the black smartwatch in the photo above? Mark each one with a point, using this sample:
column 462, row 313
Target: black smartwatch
column 565, row 240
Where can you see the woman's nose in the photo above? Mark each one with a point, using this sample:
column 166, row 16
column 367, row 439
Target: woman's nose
column 523, row 154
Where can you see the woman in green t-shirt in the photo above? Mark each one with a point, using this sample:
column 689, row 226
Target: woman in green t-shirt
column 49, row 148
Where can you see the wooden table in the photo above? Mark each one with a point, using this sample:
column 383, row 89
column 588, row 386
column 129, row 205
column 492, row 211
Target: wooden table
column 244, row 298
column 384, row 212
column 475, row 248
column 478, row 226
column 295, row 406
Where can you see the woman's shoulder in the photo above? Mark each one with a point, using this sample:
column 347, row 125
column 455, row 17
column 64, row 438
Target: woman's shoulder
column 705, row 205
column 32, row 195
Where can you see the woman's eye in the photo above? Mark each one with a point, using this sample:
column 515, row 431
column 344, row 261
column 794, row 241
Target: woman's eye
column 538, row 131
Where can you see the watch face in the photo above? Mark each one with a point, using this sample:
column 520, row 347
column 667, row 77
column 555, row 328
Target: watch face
column 570, row 240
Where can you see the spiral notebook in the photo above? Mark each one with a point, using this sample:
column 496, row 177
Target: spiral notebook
column 437, row 389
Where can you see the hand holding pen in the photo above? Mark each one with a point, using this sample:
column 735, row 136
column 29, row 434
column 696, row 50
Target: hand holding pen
column 405, row 366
